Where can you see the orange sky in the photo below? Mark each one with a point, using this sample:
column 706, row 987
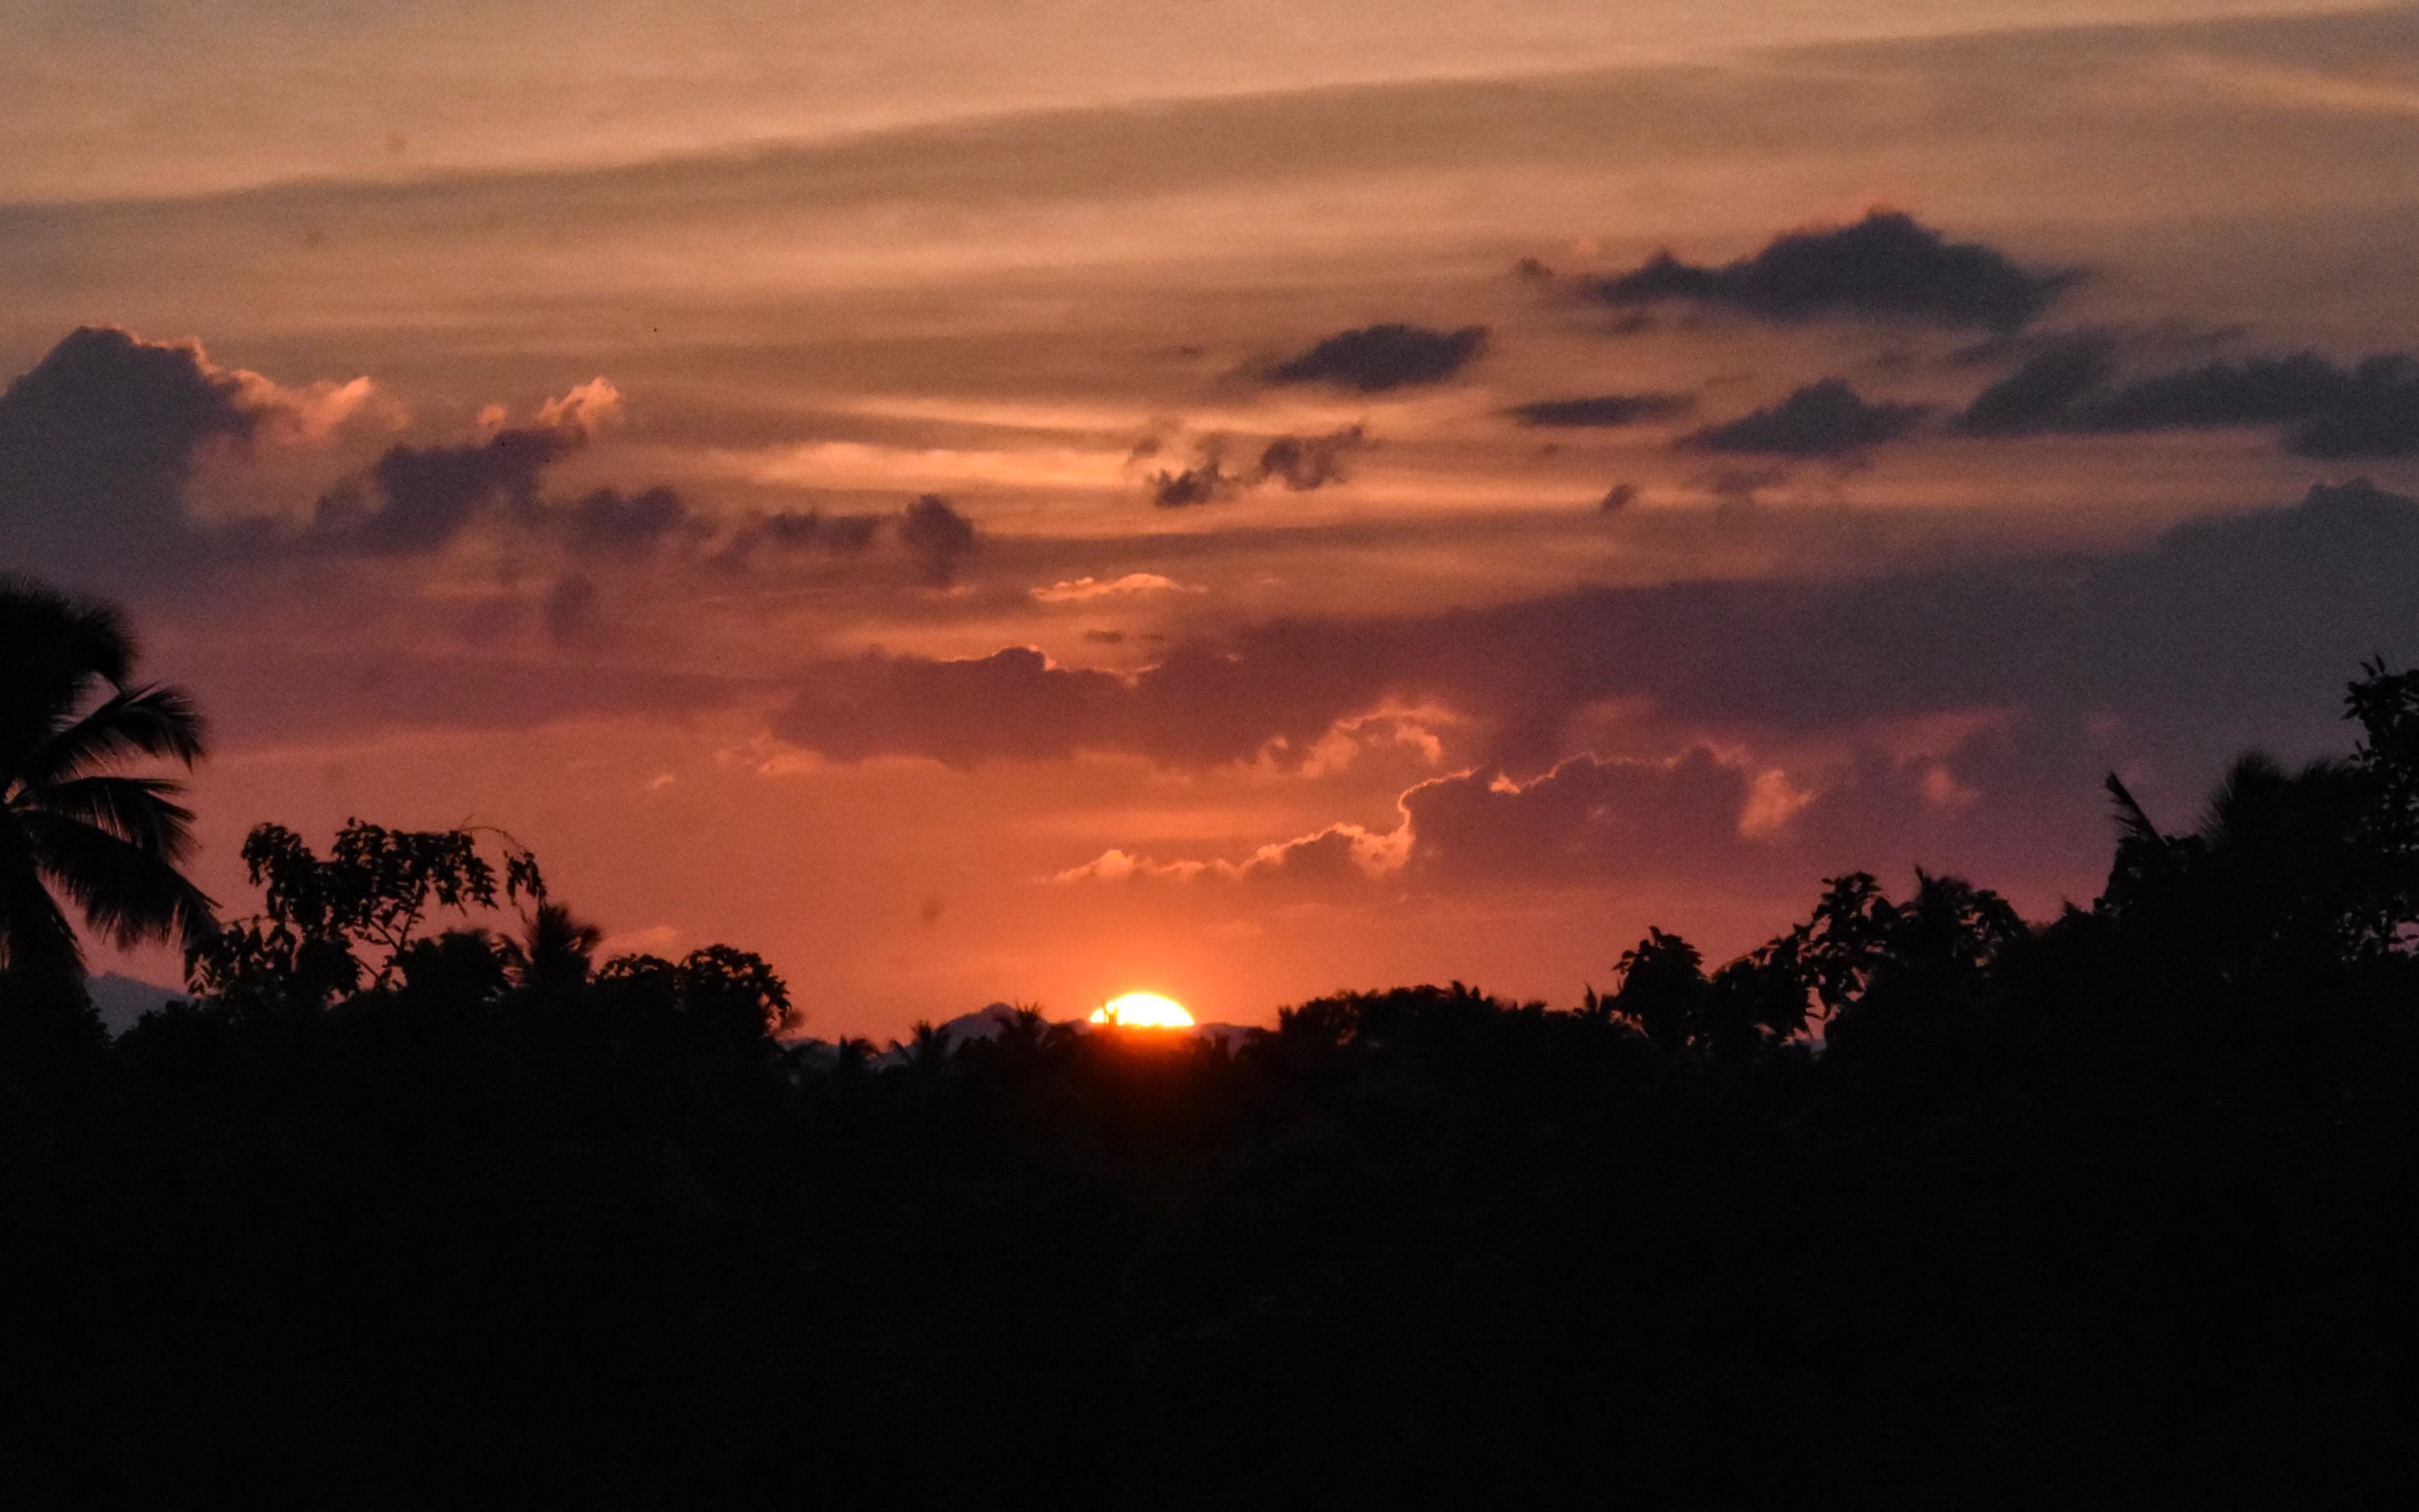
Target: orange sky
column 1393, row 697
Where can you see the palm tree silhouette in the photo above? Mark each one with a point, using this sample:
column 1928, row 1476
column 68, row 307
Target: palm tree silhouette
column 556, row 954
column 107, row 843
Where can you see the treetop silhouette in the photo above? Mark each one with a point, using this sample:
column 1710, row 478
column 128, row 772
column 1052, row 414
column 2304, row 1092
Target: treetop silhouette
column 73, row 827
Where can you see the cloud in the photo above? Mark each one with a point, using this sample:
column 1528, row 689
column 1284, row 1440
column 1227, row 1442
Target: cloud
column 937, row 536
column 1083, row 590
column 2258, row 390
column 1586, row 815
column 803, row 530
column 1375, row 359
column 588, row 409
column 1339, row 854
column 1824, row 419
column 1885, row 265
column 2369, row 409
column 417, row 498
column 98, row 439
column 1300, row 463
column 2376, row 416
column 610, row 523
column 2224, row 632
column 2039, row 395
column 1205, row 482
column 1700, row 816
column 1012, row 704
column 1603, row 411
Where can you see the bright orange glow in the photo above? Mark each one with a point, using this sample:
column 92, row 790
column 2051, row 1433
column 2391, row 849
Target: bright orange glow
column 1143, row 1010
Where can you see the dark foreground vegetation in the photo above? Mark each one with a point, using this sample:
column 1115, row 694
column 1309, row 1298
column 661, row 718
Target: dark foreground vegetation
column 2112, row 1211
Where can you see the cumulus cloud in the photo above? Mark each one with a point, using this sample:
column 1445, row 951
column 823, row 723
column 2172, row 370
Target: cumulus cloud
column 938, row 538
column 1699, row 814
column 417, row 498
column 98, row 439
column 1339, row 854
column 1375, row 359
column 1824, row 419
column 1606, row 409
column 1885, row 265
column 1083, row 590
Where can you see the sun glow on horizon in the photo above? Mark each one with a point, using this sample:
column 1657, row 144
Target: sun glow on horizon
column 1143, row 1010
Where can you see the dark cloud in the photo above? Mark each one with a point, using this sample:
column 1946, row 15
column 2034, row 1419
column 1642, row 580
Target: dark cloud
column 610, row 523
column 1008, row 705
column 2011, row 798
column 1824, row 419
column 1302, row 463
column 1885, row 266
column 1377, row 358
column 2369, row 409
column 2376, row 416
column 2258, row 391
column 98, row 439
column 96, row 442
column 1603, row 411
column 1584, row 816
column 805, row 529
column 1205, row 482
column 1619, row 497
column 418, row 499
column 2039, row 394
column 2224, row 633
column 937, row 536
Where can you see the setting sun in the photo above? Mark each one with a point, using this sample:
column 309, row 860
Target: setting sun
column 1143, row 1010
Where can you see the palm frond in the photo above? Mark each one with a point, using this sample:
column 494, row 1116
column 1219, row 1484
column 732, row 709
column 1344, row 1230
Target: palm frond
column 53, row 648
column 136, row 809
column 2133, row 821
column 151, row 721
column 36, row 617
column 124, row 893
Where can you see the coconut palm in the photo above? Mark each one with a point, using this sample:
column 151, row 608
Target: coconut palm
column 71, row 830
column 557, row 953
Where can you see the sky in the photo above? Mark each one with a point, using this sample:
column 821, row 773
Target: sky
column 1028, row 502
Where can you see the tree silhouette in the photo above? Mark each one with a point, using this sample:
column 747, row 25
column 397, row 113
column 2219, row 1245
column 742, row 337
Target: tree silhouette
column 370, row 897
column 106, row 842
column 555, row 954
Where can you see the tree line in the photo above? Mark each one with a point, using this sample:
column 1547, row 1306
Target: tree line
column 1919, row 1203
